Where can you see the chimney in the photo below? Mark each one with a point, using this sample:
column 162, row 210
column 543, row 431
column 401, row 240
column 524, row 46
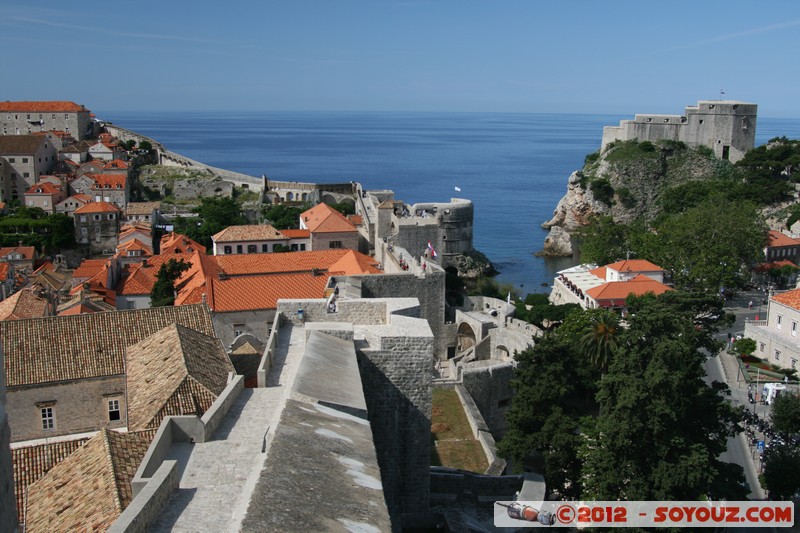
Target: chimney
column 144, row 262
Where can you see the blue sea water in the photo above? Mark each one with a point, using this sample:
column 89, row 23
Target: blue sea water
column 514, row 167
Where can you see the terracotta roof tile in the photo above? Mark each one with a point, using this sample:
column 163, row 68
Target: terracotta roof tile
column 261, row 232
column 619, row 290
column 27, row 252
column 44, row 188
column 789, row 298
column 175, row 371
column 89, row 267
column 51, row 349
column 32, row 462
column 634, row 265
column 23, row 304
column 116, row 164
column 90, row 488
column 109, row 181
column 262, row 292
column 173, row 243
column 296, row 233
column 97, row 207
column 134, row 245
column 244, row 264
column 322, row 218
column 776, row 238
column 54, row 106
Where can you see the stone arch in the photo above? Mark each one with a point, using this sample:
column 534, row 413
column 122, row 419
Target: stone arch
column 289, row 196
column 305, row 196
column 328, row 199
column 466, row 336
column 501, row 352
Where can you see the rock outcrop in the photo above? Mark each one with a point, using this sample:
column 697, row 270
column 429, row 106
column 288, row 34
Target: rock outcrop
column 624, row 182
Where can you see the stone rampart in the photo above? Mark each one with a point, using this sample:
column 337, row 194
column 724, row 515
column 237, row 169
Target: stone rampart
column 269, row 351
column 448, row 484
column 481, row 432
column 489, row 385
column 151, row 500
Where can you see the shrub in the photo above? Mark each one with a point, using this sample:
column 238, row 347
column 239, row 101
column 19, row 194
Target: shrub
column 591, row 158
column 603, row 191
column 625, row 197
column 647, row 146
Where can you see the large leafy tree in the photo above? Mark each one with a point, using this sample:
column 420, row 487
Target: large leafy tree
column 283, row 216
column 213, row 215
column 786, row 413
column 708, row 246
column 662, row 427
column 782, row 471
column 163, row 292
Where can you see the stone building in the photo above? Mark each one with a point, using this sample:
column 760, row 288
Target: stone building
column 45, row 196
column 329, row 229
column 66, row 374
column 97, row 225
column 777, row 336
column 8, row 510
column 20, row 118
column 249, row 239
column 28, row 157
column 726, row 126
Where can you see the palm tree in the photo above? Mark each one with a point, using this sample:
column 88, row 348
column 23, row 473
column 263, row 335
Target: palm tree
column 600, row 340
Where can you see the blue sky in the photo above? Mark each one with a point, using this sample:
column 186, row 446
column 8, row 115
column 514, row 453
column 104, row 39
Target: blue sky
column 619, row 57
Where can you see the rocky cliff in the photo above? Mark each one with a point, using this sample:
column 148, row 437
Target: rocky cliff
column 625, row 181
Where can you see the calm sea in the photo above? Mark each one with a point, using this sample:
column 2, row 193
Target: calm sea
column 514, row 167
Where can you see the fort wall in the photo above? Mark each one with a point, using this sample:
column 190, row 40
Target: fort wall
column 727, row 127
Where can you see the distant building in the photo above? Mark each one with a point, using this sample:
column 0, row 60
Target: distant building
column 22, row 257
column 19, row 118
column 726, row 126
column 149, row 212
column 249, row 239
column 777, row 336
column 781, row 248
column 70, row 204
column 329, row 228
column 607, row 286
column 97, row 225
column 45, row 196
column 29, row 157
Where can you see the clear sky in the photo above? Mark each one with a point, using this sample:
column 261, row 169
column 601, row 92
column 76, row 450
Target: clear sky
column 563, row 56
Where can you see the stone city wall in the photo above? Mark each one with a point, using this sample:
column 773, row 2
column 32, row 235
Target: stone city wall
column 489, row 385
column 151, row 500
column 363, row 312
column 448, row 484
column 8, row 504
column 396, row 377
column 481, row 432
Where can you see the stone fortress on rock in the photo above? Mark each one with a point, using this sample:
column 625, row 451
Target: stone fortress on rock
column 726, row 126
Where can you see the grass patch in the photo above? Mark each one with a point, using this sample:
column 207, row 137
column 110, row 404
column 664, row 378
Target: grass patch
column 451, row 437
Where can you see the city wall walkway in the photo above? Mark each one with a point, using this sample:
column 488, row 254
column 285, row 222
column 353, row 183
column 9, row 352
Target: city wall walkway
column 218, row 476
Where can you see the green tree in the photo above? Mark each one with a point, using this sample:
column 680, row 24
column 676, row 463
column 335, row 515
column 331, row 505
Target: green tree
column 786, row 413
column 344, row 208
column 662, row 427
column 602, row 241
column 146, row 146
column 600, row 339
column 282, row 216
column 551, row 388
column 213, row 215
column 163, row 292
column 782, row 471
column 709, row 246
column 744, row 346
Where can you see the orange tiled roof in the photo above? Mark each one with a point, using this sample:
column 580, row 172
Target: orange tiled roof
column 27, row 252
column 776, row 238
column 296, row 233
column 354, row 263
column 634, row 265
column 357, row 220
column 32, row 462
column 789, row 298
column 97, row 207
column 54, row 106
column 134, row 245
column 173, row 243
column 244, row 264
column 600, row 272
column 117, row 164
column 261, row 232
column 109, row 181
column 43, row 350
column 175, row 371
column 82, row 198
column 23, row 304
column 89, row 267
column 90, row 488
column 127, row 230
column 44, row 188
column 262, row 292
column 619, row 290
column 322, row 218
column 142, row 276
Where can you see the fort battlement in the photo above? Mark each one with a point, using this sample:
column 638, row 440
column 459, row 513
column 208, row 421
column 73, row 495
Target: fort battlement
column 728, row 127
